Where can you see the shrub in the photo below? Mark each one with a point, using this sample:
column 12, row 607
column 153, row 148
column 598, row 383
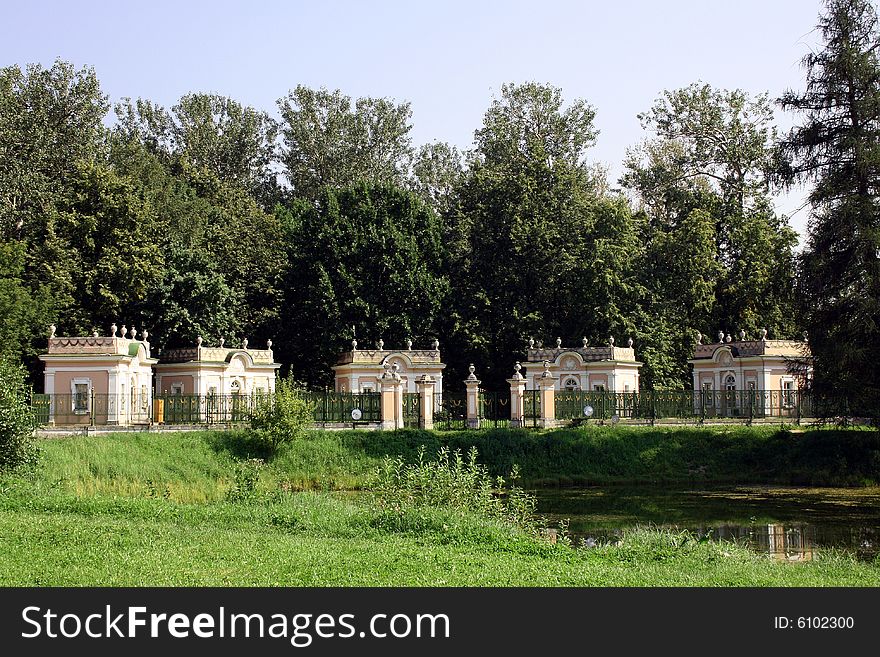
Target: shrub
column 17, row 421
column 282, row 417
column 450, row 482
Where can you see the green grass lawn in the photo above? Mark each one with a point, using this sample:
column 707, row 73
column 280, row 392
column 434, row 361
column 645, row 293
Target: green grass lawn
column 153, row 510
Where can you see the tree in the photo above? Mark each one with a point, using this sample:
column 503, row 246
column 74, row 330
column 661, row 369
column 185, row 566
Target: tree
column 234, row 142
column 366, row 257
column 327, row 142
column 717, row 254
column 17, row 448
column 50, row 121
column 548, row 254
column 837, row 149
column 24, row 311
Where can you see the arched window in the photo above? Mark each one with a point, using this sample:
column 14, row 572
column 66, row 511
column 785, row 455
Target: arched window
column 730, row 382
column 571, row 384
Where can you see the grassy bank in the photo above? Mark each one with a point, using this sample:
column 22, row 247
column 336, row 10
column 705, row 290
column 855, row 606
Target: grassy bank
column 194, row 467
column 194, row 509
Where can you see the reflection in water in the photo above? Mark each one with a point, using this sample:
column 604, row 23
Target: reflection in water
column 788, row 523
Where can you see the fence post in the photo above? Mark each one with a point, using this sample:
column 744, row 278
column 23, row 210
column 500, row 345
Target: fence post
column 517, row 401
column 548, row 398
column 653, row 407
column 92, row 406
column 425, row 386
column 473, row 399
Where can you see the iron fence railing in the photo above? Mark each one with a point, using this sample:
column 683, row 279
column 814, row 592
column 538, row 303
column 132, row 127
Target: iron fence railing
column 450, row 408
column 494, row 409
column 354, row 408
column 685, row 404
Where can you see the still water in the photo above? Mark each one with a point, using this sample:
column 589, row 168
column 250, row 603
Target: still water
column 789, row 523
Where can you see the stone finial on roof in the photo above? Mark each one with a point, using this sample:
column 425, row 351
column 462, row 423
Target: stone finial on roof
column 585, row 341
column 124, row 330
column 222, row 341
column 742, row 335
column 380, row 344
column 199, row 341
column 269, row 344
column 146, row 335
column 244, row 343
column 806, row 335
column 558, row 343
column 699, row 338
column 531, row 343
column 113, row 330
column 408, row 344
column 95, row 333
column 728, row 338
column 132, row 332
column 435, row 345
column 471, row 376
column 763, row 334
column 354, row 345
column 720, row 337
column 611, row 340
column 629, row 343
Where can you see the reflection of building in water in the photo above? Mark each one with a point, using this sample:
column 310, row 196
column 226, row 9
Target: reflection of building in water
column 792, row 543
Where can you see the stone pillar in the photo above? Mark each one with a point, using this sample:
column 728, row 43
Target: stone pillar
column 392, row 398
column 425, row 386
column 548, row 398
column 473, row 399
column 113, row 397
column 517, row 401
column 390, row 405
column 49, row 389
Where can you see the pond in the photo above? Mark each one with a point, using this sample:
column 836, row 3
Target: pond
column 789, row 523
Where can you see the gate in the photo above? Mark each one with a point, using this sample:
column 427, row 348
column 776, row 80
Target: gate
column 450, row 411
column 412, row 409
column 531, row 408
column 494, row 409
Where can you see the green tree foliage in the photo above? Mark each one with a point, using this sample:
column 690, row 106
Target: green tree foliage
column 234, row 142
column 837, row 149
column 111, row 255
column 17, row 448
column 23, row 312
column 717, row 256
column 366, row 257
column 50, row 126
column 329, row 142
column 50, row 120
column 547, row 254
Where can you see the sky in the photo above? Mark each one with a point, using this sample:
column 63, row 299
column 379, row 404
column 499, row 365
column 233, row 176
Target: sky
column 448, row 59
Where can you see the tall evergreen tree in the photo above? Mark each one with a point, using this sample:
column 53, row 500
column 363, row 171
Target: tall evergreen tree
column 837, row 149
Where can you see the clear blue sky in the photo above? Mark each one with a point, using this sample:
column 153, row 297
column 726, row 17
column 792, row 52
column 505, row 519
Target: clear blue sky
column 447, row 58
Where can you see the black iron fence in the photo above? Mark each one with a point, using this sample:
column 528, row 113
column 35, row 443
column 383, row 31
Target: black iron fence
column 450, row 408
column 354, row 408
column 685, row 404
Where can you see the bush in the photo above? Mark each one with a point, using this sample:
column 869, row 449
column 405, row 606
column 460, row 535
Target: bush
column 451, row 482
column 17, row 420
column 283, row 417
